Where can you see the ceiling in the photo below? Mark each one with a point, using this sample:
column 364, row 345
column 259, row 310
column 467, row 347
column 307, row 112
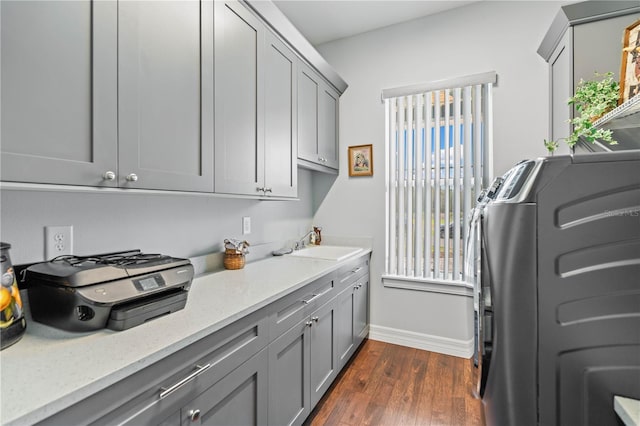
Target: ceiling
column 321, row 21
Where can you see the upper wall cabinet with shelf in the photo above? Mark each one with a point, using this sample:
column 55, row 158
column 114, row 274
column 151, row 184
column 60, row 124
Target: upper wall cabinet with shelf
column 584, row 38
column 181, row 96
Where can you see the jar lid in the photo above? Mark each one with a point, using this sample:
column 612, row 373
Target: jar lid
column 5, row 246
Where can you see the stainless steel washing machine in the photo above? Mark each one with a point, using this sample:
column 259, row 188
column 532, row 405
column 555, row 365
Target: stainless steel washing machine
column 556, row 246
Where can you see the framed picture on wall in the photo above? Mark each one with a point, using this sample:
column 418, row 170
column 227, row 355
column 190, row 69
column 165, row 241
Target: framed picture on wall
column 361, row 160
column 630, row 70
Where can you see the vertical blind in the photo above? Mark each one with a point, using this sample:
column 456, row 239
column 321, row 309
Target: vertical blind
column 438, row 153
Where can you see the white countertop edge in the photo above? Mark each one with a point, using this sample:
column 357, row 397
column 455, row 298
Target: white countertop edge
column 35, row 413
column 627, row 409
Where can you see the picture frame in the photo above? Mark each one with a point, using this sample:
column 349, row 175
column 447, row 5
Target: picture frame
column 361, row 160
column 630, row 68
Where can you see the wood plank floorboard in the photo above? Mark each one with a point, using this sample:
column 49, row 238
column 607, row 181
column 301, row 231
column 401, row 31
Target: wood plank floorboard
column 389, row 385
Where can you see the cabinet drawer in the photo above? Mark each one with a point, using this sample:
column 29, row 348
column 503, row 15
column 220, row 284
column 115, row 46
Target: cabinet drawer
column 352, row 272
column 151, row 395
column 293, row 308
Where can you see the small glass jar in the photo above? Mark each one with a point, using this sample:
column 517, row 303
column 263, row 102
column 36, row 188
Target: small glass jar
column 12, row 321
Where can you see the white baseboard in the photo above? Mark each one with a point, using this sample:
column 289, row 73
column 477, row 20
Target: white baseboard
column 443, row 345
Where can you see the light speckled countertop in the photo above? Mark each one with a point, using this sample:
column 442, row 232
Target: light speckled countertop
column 50, row 370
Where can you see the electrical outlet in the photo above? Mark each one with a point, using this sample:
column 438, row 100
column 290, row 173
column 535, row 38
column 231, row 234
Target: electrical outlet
column 58, row 241
column 246, row 225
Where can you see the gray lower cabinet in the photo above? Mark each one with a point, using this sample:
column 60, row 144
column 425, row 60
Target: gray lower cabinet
column 289, row 402
column 352, row 312
column 323, row 362
column 165, row 95
column 59, row 117
column 270, row 367
column 302, row 366
column 317, row 120
column 240, row 399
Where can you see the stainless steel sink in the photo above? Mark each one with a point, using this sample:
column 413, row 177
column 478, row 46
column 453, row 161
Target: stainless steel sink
column 327, row 252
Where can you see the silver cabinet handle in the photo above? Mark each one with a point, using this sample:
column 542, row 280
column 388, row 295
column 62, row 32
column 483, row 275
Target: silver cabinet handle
column 109, row 175
column 315, row 319
column 259, row 189
column 355, row 271
column 132, row 177
column 194, row 415
column 199, row 370
column 268, row 190
column 308, row 323
column 311, row 299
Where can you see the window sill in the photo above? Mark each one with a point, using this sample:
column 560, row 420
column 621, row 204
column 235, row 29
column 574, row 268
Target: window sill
column 458, row 288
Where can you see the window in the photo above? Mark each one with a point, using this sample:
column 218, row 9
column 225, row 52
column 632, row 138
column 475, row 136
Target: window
column 438, row 153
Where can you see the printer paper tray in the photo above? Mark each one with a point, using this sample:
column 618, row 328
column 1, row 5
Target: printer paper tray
column 135, row 313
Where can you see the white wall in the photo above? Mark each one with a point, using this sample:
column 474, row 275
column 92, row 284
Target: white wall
column 485, row 36
column 178, row 225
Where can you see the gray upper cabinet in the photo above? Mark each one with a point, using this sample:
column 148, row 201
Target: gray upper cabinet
column 176, row 95
column 239, row 145
column 165, row 95
column 328, row 126
column 308, row 90
column 317, row 120
column 584, row 38
column 59, row 91
column 255, row 80
column 280, row 124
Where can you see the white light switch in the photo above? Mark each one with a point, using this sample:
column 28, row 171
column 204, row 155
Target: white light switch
column 246, row 225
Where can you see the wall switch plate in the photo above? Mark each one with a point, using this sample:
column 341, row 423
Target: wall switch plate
column 246, row 225
column 58, row 241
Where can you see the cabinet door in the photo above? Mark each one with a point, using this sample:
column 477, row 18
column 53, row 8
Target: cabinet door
column 323, row 350
column 238, row 399
column 308, row 92
column 561, row 88
column 289, row 377
column 280, row 132
column 239, row 133
column 328, row 126
column 165, row 108
column 345, row 321
column 59, row 91
column 361, row 310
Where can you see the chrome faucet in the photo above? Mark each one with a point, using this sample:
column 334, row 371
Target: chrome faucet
column 300, row 244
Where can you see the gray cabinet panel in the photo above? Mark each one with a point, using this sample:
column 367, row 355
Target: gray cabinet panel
column 328, row 127
column 280, row 130
column 361, row 310
column 323, row 361
column 345, row 338
column 289, row 377
column 165, row 109
column 238, row 399
column 308, row 91
column 59, row 91
column 561, row 85
column 239, row 133
column 317, row 119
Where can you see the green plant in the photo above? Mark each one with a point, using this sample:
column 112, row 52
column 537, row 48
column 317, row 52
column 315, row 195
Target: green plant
column 551, row 146
column 592, row 99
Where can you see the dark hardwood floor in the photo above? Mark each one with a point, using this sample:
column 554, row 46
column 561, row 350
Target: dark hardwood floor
column 392, row 385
